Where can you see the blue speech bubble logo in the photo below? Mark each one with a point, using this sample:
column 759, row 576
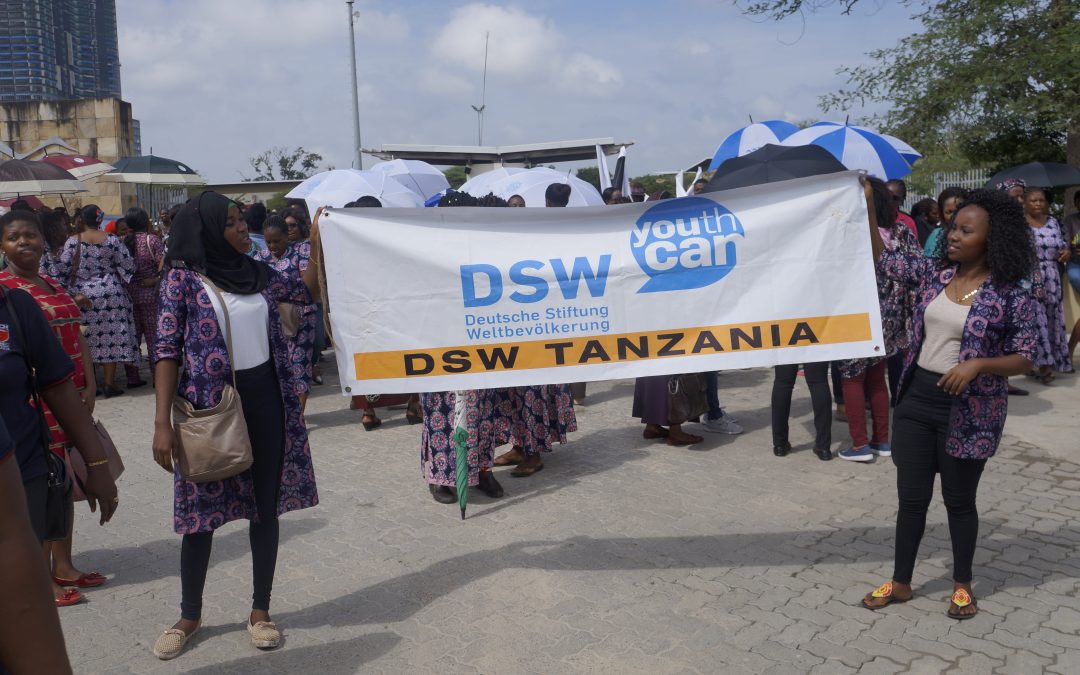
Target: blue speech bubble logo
column 685, row 243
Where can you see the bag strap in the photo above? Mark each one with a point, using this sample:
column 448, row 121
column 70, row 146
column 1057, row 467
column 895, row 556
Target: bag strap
column 31, row 371
column 228, row 324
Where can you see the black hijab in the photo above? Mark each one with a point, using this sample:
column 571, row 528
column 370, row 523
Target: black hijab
column 197, row 241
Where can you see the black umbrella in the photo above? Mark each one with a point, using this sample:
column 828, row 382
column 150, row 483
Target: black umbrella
column 1041, row 174
column 25, row 177
column 773, row 163
column 153, row 170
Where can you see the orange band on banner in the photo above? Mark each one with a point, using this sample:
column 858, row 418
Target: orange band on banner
column 596, row 349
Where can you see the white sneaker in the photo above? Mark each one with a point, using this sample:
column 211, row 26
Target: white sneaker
column 722, row 425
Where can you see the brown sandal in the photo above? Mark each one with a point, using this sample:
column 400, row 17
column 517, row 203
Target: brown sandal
column 884, row 592
column 512, row 457
column 687, row 439
column 649, row 434
column 527, row 467
column 961, row 599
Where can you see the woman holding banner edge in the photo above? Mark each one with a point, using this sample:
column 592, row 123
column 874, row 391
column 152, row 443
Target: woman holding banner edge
column 973, row 326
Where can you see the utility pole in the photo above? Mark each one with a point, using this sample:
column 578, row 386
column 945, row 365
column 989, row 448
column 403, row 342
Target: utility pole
column 483, row 96
column 358, row 160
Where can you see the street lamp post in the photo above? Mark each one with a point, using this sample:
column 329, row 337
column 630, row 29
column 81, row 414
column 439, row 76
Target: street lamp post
column 358, row 160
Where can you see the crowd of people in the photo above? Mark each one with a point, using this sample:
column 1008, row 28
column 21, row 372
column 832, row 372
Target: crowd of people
column 224, row 297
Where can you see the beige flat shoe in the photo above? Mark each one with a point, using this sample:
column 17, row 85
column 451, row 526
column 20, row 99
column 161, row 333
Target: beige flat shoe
column 264, row 634
column 171, row 643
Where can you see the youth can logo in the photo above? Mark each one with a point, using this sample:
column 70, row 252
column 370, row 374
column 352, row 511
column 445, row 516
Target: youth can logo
column 685, row 243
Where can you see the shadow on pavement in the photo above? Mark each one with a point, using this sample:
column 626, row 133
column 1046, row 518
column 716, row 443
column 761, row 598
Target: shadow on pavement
column 336, row 658
column 397, row 599
column 137, row 564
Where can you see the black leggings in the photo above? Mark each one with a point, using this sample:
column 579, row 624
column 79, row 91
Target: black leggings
column 920, row 429
column 817, row 378
column 260, row 396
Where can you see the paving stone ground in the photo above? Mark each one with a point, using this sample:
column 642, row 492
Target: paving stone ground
column 621, row 556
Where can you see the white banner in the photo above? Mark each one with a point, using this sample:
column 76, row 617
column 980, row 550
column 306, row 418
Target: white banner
column 461, row 298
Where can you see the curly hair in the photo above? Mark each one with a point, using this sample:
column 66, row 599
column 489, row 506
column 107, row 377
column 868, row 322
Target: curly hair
column 1010, row 250
column 457, row 198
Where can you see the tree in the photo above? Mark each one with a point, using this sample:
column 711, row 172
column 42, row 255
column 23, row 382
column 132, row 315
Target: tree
column 993, row 82
column 654, row 183
column 589, row 174
column 284, row 164
column 456, row 176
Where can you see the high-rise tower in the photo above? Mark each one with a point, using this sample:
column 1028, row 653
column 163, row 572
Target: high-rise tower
column 58, row 50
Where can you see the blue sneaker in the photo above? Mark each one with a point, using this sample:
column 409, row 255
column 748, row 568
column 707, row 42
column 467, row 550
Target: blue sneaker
column 863, row 454
column 882, row 449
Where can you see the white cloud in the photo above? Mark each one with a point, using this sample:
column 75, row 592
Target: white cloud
column 216, row 81
column 522, row 48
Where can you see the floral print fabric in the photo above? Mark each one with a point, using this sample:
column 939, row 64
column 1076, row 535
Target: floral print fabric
column 1001, row 322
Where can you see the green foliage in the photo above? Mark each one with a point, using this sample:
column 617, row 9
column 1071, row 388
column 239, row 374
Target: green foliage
column 781, row 9
column 284, row 164
column 456, row 176
column 990, row 83
column 277, row 202
column 994, row 82
column 590, row 174
column 654, row 183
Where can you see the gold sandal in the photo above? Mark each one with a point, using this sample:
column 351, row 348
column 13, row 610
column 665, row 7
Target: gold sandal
column 171, row 643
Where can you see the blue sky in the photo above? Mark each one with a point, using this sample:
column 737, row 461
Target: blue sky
column 217, row 81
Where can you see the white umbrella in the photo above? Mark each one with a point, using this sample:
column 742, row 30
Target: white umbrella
column 856, row 148
column 533, row 183
column 340, row 186
column 418, row 176
column 481, row 184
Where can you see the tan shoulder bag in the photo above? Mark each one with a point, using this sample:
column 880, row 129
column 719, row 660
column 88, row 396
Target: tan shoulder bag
column 212, row 444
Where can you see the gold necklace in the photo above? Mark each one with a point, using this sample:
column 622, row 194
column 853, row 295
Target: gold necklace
column 961, row 300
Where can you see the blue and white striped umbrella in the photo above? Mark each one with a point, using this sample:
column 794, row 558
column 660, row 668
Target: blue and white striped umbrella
column 751, row 138
column 856, row 148
column 910, row 154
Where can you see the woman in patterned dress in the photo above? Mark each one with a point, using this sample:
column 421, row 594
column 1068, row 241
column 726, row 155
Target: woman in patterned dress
column 297, row 319
column 486, row 420
column 1051, row 250
column 95, row 269
column 865, row 378
column 208, row 241
column 973, row 327
column 540, row 416
column 23, row 244
column 148, row 251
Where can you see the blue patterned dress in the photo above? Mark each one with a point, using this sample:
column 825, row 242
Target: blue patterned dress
column 188, row 332
column 540, row 416
column 102, row 275
column 1050, row 315
column 486, row 421
column 301, row 345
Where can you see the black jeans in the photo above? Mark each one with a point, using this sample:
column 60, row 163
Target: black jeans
column 817, row 378
column 837, row 389
column 920, row 429
column 260, row 397
column 895, row 369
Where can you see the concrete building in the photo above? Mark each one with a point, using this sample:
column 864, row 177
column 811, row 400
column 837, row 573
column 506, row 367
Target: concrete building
column 100, row 128
column 54, row 50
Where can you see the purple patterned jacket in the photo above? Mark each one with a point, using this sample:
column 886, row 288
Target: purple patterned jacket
column 188, row 332
column 1001, row 322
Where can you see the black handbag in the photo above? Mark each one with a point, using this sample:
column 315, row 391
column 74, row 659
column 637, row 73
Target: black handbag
column 59, row 480
column 686, row 398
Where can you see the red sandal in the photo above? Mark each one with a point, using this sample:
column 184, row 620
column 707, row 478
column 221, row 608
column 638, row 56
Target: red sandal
column 70, row 597
column 88, row 580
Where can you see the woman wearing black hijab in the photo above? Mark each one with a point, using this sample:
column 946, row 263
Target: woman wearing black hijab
column 207, row 246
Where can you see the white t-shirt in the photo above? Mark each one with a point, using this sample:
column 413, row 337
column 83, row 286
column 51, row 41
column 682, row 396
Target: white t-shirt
column 250, row 320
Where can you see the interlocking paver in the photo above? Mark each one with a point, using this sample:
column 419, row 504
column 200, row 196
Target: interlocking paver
column 622, row 556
